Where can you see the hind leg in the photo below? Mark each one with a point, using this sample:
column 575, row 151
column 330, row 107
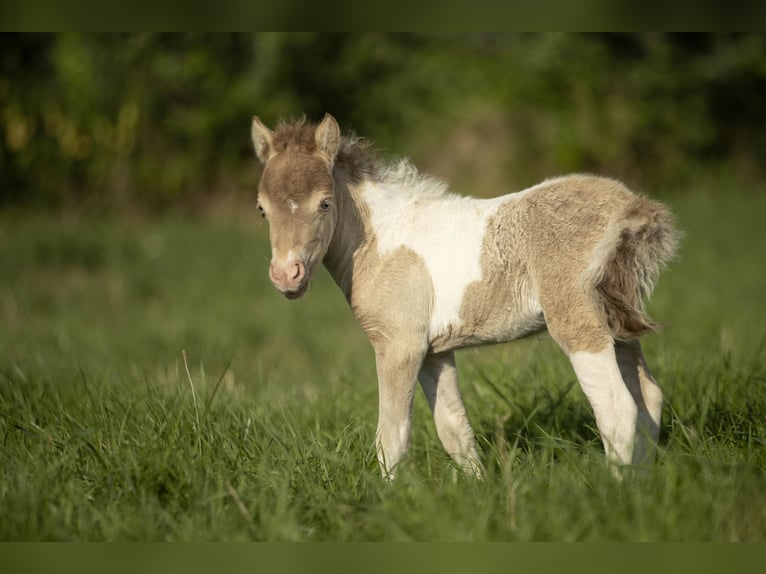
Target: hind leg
column 647, row 395
column 616, row 411
column 591, row 350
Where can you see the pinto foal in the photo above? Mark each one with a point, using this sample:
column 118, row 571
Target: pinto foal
column 427, row 272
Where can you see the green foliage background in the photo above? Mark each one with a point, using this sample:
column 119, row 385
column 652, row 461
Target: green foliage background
column 110, row 120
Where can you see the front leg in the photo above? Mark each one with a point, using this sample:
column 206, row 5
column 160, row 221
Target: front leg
column 393, row 301
column 397, row 367
column 438, row 377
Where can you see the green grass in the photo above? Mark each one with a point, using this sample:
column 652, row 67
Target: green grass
column 101, row 437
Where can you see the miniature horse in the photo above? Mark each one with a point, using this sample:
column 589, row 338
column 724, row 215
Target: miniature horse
column 427, row 272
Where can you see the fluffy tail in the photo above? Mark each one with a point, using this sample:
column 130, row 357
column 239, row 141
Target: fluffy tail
column 626, row 265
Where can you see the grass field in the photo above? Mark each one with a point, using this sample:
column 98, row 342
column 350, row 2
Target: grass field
column 265, row 431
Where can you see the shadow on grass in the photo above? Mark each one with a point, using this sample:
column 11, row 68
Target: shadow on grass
column 547, row 421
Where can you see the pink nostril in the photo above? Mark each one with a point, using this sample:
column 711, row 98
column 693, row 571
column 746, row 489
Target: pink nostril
column 299, row 272
column 290, row 275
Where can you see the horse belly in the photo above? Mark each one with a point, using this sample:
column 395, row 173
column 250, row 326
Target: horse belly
column 490, row 320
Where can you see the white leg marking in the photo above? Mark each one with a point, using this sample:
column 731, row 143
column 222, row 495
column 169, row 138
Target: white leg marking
column 438, row 377
column 648, row 397
column 616, row 411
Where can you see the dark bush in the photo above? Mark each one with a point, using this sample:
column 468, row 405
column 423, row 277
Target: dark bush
column 152, row 120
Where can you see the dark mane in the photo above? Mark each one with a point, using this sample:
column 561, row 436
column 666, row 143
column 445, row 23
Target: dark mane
column 296, row 134
column 356, row 156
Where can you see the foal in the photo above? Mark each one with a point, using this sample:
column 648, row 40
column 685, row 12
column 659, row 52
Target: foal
column 427, row 272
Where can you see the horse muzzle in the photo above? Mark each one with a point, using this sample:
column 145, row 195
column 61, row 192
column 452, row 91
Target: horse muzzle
column 290, row 278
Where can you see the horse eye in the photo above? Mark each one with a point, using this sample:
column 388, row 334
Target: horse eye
column 325, row 205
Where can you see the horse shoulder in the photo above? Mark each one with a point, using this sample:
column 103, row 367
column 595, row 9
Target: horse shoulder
column 391, row 295
column 446, row 235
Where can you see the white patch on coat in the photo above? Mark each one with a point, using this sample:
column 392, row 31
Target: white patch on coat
column 447, row 231
column 293, row 206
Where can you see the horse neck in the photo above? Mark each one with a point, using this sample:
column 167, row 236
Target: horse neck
column 348, row 236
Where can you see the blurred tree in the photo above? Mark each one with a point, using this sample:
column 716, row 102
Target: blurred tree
column 153, row 119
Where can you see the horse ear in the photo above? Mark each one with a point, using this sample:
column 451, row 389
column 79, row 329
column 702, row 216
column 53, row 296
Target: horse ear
column 327, row 137
column 262, row 140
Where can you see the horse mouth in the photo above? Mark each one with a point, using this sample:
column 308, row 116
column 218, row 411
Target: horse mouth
column 297, row 293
